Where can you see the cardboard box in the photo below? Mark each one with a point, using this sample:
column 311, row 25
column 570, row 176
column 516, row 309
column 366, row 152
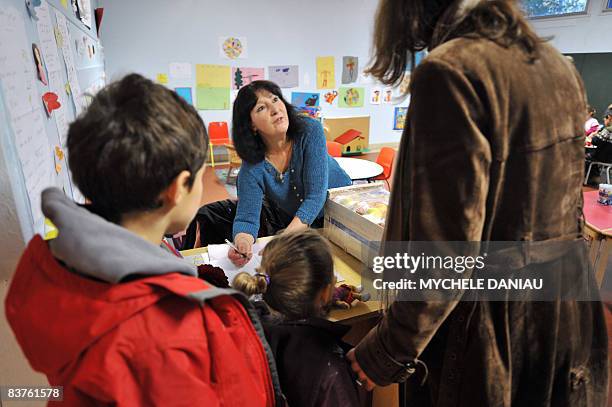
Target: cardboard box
column 356, row 234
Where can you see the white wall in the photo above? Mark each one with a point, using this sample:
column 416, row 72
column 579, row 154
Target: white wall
column 580, row 34
column 146, row 36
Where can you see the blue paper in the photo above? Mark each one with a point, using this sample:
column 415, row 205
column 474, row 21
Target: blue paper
column 185, row 93
column 301, row 99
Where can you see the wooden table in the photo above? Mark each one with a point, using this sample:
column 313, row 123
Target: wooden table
column 597, row 232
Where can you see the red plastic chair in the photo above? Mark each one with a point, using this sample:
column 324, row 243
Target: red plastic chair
column 385, row 158
column 218, row 135
column 334, row 149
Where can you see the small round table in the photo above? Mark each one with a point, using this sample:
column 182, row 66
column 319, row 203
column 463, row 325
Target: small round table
column 357, row 168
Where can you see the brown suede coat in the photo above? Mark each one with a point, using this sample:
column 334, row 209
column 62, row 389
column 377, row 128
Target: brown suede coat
column 493, row 150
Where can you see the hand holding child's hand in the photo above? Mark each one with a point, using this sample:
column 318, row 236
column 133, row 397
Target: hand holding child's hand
column 363, row 378
column 244, row 244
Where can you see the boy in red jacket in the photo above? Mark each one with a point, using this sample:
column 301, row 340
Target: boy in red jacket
column 103, row 310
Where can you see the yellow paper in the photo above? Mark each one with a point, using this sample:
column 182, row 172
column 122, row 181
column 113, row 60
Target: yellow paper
column 65, row 3
column 326, row 73
column 162, row 78
column 213, row 76
column 50, row 230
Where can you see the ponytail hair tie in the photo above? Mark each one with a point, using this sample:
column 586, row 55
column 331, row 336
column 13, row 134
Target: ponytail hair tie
column 265, row 276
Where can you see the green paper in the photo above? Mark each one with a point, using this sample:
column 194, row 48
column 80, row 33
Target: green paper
column 350, row 97
column 212, row 98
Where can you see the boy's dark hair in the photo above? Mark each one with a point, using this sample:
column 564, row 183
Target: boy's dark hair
column 133, row 140
column 295, row 267
column 249, row 145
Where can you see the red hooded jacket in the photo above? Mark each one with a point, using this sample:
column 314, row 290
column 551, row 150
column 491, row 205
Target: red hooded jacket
column 158, row 340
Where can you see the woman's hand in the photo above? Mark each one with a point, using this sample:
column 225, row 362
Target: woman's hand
column 296, row 225
column 364, row 380
column 244, row 244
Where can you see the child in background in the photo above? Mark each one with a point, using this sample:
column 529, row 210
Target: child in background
column 296, row 281
column 591, row 125
column 103, row 310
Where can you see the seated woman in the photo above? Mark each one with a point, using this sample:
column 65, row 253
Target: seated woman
column 603, row 141
column 284, row 178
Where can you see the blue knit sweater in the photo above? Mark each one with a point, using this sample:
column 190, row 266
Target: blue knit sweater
column 300, row 192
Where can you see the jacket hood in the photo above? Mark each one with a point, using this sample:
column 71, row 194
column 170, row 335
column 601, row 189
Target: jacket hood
column 57, row 313
column 97, row 248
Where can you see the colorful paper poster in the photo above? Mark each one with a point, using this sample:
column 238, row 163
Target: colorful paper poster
column 330, row 96
column 180, row 70
column 325, row 73
column 350, row 69
column 310, row 99
column 185, row 93
column 387, row 96
column 285, row 76
column 399, row 119
column 233, row 47
column 404, row 86
column 375, row 96
column 212, row 98
column 243, row 76
column 213, row 76
column 162, row 78
column 351, row 97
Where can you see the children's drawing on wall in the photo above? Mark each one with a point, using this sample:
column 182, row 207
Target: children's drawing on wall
column 300, row 99
column 180, row 70
column 351, row 97
column 399, row 119
column 325, row 73
column 242, row 76
column 405, row 83
column 330, row 96
column 51, row 102
column 387, row 96
column 232, row 47
column 285, row 76
column 213, row 87
column 185, row 93
column 350, row 69
column 375, row 96
column 40, row 65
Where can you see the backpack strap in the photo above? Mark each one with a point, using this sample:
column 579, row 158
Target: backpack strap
column 214, row 292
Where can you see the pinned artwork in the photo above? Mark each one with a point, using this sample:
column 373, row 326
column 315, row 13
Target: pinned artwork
column 351, row 97
column 330, row 96
column 325, row 73
column 301, row 99
column 40, row 65
column 242, row 76
column 404, row 86
column 64, row 3
column 399, row 119
column 185, row 93
column 180, row 70
column 387, row 97
column 232, row 47
column 213, row 87
column 350, row 69
column 162, row 78
column 59, row 153
column 375, row 96
column 51, row 102
column 285, row 76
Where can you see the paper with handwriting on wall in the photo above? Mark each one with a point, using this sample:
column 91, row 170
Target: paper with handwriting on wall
column 61, row 117
column 63, row 39
column 47, row 43
column 16, row 65
column 35, row 156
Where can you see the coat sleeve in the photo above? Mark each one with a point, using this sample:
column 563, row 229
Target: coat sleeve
column 442, row 187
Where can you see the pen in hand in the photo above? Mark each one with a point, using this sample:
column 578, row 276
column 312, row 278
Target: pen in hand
column 235, row 248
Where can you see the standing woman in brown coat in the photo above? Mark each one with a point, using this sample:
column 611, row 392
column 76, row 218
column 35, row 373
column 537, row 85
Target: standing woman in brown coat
column 492, row 151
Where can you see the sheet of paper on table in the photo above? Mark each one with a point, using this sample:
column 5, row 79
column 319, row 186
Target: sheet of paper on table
column 198, row 259
column 218, row 257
